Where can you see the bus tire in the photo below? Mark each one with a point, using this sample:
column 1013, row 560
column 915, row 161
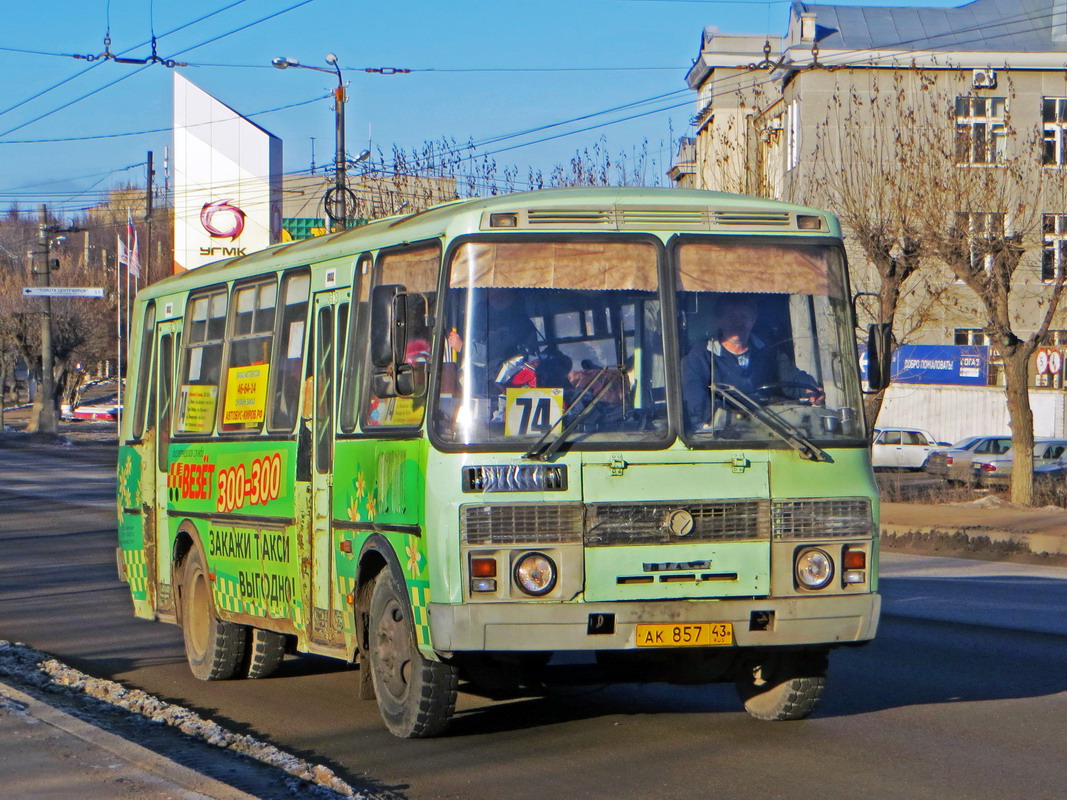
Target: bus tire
column 416, row 696
column 266, row 649
column 783, row 687
column 214, row 649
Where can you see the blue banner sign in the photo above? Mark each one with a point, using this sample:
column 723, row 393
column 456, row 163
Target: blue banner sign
column 959, row 365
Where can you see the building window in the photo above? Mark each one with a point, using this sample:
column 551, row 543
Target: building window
column 1054, row 125
column 792, row 139
column 981, row 129
column 1055, row 339
column 983, row 229
column 1054, row 246
column 970, row 336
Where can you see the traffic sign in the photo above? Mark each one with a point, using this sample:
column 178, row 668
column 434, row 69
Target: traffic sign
column 62, row 291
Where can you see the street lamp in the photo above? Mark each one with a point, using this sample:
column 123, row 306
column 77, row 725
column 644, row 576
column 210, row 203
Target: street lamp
column 339, row 199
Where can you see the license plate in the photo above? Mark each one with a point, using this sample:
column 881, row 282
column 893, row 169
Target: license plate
column 694, row 634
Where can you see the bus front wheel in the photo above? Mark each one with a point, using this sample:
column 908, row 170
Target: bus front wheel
column 783, row 686
column 416, row 696
column 214, row 649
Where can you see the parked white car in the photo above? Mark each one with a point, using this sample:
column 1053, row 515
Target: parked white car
column 902, row 448
column 997, row 471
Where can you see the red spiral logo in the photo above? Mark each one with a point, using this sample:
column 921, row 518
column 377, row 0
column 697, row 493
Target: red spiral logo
column 231, row 219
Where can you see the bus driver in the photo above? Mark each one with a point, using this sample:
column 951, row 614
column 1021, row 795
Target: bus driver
column 736, row 358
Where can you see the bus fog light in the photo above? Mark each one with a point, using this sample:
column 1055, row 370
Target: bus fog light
column 483, row 585
column 814, row 568
column 855, row 576
column 535, row 574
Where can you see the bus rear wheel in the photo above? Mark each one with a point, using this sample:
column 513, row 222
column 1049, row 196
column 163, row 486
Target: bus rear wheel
column 214, row 649
column 416, row 696
column 266, row 649
column 783, row 686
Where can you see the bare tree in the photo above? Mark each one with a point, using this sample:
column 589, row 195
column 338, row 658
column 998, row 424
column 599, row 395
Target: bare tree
column 871, row 166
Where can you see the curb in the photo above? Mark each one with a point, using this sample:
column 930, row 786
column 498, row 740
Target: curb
column 134, row 754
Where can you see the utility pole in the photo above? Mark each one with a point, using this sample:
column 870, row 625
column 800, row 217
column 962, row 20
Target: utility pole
column 150, row 174
column 47, row 419
column 340, row 160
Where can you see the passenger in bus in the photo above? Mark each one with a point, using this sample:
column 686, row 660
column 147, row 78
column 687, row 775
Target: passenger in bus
column 736, row 358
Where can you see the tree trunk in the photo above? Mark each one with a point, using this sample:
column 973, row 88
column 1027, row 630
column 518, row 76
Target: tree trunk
column 1021, row 421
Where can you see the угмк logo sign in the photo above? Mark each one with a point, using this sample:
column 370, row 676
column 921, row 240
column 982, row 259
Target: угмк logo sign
column 222, row 220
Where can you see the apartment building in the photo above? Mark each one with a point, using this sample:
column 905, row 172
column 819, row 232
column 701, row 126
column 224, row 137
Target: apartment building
column 902, row 120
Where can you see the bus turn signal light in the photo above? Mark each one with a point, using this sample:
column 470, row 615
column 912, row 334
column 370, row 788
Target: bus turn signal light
column 483, row 567
column 855, row 559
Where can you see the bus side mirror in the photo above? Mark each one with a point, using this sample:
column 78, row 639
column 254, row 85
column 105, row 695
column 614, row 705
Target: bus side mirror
column 388, row 325
column 879, row 355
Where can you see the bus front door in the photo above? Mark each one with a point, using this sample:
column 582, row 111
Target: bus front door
column 166, row 346
column 326, row 621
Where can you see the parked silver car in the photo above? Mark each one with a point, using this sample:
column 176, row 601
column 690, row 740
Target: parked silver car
column 954, row 463
column 996, row 471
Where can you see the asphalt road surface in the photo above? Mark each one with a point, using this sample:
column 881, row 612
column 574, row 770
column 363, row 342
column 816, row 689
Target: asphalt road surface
column 962, row 696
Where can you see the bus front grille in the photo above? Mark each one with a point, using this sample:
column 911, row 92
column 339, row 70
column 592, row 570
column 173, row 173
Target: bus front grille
column 522, row 523
column 611, row 524
column 821, row 519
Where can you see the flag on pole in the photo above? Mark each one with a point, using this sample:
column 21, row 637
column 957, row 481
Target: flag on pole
column 124, row 256
column 133, row 263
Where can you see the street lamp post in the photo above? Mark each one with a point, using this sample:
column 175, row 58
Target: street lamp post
column 339, row 200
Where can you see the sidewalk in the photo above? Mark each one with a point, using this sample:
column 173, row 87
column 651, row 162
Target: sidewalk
column 48, row 754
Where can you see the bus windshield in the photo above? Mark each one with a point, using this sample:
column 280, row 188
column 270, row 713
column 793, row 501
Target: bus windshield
column 545, row 339
column 764, row 333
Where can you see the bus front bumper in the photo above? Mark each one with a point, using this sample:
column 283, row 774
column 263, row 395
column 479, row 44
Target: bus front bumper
column 837, row 619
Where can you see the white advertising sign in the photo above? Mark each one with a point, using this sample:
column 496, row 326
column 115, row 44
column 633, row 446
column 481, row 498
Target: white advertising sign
column 227, row 180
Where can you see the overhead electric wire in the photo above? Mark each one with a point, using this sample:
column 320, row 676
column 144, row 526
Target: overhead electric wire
column 162, row 130
column 124, row 52
column 135, row 72
column 739, row 78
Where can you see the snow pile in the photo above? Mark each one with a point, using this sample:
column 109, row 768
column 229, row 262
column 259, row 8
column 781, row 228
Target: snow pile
column 989, row 501
column 33, row 668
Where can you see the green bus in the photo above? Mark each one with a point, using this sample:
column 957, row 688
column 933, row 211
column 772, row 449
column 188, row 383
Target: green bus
column 611, row 424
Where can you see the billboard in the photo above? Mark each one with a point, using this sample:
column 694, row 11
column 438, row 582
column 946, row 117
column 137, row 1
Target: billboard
column 227, row 180
column 957, row 365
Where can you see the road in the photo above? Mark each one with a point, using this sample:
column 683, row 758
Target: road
column 962, row 696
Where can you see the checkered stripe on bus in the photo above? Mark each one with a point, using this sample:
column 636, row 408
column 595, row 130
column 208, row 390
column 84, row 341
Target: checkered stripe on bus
column 136, row 573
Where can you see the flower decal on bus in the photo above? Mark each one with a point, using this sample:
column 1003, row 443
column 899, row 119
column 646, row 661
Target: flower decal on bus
column 416, row 559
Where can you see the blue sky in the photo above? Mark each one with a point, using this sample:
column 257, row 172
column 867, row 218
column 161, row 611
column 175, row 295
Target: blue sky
column 482, row 69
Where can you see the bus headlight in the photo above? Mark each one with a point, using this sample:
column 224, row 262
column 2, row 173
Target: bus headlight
column 813, row 568
column 535, row 574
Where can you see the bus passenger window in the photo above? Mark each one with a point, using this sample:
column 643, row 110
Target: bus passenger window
column 289, row 352
column 144, row 378
column 248, row 368
column 416, row 270
column 198, row 392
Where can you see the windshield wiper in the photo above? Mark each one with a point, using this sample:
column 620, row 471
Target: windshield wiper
column 778, row 426
column 542, row 452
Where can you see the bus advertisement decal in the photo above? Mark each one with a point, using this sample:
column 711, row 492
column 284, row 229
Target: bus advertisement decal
column 245, row 402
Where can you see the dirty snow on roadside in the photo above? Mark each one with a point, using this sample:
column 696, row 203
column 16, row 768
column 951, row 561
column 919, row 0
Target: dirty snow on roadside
column 32, row 668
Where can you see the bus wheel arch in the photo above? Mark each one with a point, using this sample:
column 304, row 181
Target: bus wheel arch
column 214, row 648
column 416, row 696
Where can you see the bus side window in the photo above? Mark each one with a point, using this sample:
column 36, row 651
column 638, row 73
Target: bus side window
column 416, row 270
column 355, row 346
column 324, row 383
column 166, row 393
column 205, row 322
column 244, row 405
column 144, row 366
column 289, row 352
